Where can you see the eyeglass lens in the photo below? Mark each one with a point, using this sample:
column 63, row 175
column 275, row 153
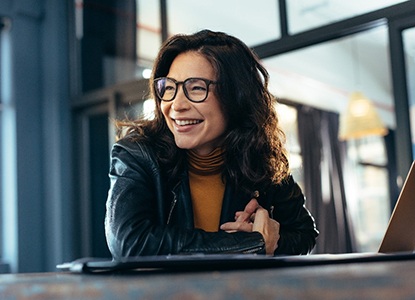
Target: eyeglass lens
column 195, row 89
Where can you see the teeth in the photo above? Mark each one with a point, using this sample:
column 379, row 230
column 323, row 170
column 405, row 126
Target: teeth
column 186, row 122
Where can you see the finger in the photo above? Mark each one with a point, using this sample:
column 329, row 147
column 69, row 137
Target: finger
column 261, row 216
column 238, row 214
column 242, row 217
column 236, row 226
column 252, row 206
column 261, row 221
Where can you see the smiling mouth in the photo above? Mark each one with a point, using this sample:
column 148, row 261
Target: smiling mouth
column 187, row 122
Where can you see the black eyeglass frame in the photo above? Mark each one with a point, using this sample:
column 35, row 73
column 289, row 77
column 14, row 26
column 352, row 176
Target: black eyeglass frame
column 208, row 82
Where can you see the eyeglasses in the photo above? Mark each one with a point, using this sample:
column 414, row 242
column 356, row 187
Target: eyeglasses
column 195, row 89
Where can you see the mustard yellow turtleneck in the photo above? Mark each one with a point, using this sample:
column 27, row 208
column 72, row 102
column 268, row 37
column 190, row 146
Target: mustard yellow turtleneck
column 206, row 188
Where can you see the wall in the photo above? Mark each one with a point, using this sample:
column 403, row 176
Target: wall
column 37, row 235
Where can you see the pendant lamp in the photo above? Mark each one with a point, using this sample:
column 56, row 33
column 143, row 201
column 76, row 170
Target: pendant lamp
column 360, row 119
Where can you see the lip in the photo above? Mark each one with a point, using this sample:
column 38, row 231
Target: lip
column 185, row 124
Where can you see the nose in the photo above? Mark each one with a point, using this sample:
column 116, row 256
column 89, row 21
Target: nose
column 180, row 102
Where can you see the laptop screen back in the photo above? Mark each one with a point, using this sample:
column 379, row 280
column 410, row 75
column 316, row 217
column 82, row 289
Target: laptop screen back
column 400, row 233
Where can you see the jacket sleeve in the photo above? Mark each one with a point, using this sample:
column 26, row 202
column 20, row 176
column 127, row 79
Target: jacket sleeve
column 298, row 232
column 135, row 221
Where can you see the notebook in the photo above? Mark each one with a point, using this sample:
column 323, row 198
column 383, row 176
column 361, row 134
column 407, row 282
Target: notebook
column 398, row 243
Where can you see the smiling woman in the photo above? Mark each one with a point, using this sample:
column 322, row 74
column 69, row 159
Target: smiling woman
column 209, row 173
column 198, row 126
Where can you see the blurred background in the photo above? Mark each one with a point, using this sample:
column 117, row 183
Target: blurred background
column 342, row 72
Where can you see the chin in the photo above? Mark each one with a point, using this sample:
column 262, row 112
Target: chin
column 184, row 146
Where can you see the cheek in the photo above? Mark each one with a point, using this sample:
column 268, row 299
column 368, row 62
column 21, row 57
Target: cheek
column 164, row 107
column 224, row 125
column 220, row 123
column 223, row 120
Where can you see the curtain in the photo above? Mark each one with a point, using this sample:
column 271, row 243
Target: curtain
column 394, row 188
column 323, row 157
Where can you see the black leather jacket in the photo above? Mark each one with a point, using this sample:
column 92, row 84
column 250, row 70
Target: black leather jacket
column 146, row 217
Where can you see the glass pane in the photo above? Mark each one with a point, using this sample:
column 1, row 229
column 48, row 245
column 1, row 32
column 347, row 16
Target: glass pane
column 7, row 148
column 367, row 192
column 288, row 121
column 308, row 14
column 409, row 49
column 107, row 39
column 241, row 18
column 148, row 35
column 324, row 76
column 1, row 183
column 2, row 76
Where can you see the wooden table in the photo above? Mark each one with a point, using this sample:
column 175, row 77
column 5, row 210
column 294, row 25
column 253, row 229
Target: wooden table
column 373, row 280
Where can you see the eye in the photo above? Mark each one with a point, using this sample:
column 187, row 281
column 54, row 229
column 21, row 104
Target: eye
column 170, row 86
column 198, row 88
column 196, row 85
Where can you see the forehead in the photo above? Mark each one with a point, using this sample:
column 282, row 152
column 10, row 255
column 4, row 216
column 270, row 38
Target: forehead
column 191, row 64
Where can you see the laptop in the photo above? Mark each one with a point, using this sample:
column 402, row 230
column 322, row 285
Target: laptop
column 398, row 243
column 400, row 233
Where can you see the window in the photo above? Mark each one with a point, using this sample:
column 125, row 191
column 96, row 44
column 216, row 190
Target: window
column 241, row 18
column 367, row 190
column 1, row 144
column 308, row 14
column 408, row 36
column 106, row 35
column 287, row 116
column 148, row 35
column 324, row 76
column 118, row 41
column 7, row 166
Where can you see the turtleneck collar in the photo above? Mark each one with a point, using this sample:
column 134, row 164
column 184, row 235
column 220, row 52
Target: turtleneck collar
column 206, row 164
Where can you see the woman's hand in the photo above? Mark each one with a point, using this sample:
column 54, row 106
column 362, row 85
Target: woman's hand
column 256, row 218
column 269, row 228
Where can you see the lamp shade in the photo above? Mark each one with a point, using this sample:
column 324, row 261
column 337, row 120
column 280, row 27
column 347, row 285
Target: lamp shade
column 360, row 119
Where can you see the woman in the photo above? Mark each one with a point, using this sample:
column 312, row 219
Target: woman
column 209, row 173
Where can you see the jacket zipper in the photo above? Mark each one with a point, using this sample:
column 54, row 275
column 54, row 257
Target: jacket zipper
column 253, row 250
column 172, row 206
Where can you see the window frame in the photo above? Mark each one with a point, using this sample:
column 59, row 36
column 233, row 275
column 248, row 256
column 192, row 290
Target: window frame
column 5, row 25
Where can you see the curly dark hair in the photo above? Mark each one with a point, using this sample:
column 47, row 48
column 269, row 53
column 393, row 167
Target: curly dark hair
column 254, row 143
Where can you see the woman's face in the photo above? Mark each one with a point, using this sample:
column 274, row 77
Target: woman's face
column 196, row 126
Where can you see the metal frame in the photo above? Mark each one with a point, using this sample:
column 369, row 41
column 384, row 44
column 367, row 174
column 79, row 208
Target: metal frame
column 164, row 20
